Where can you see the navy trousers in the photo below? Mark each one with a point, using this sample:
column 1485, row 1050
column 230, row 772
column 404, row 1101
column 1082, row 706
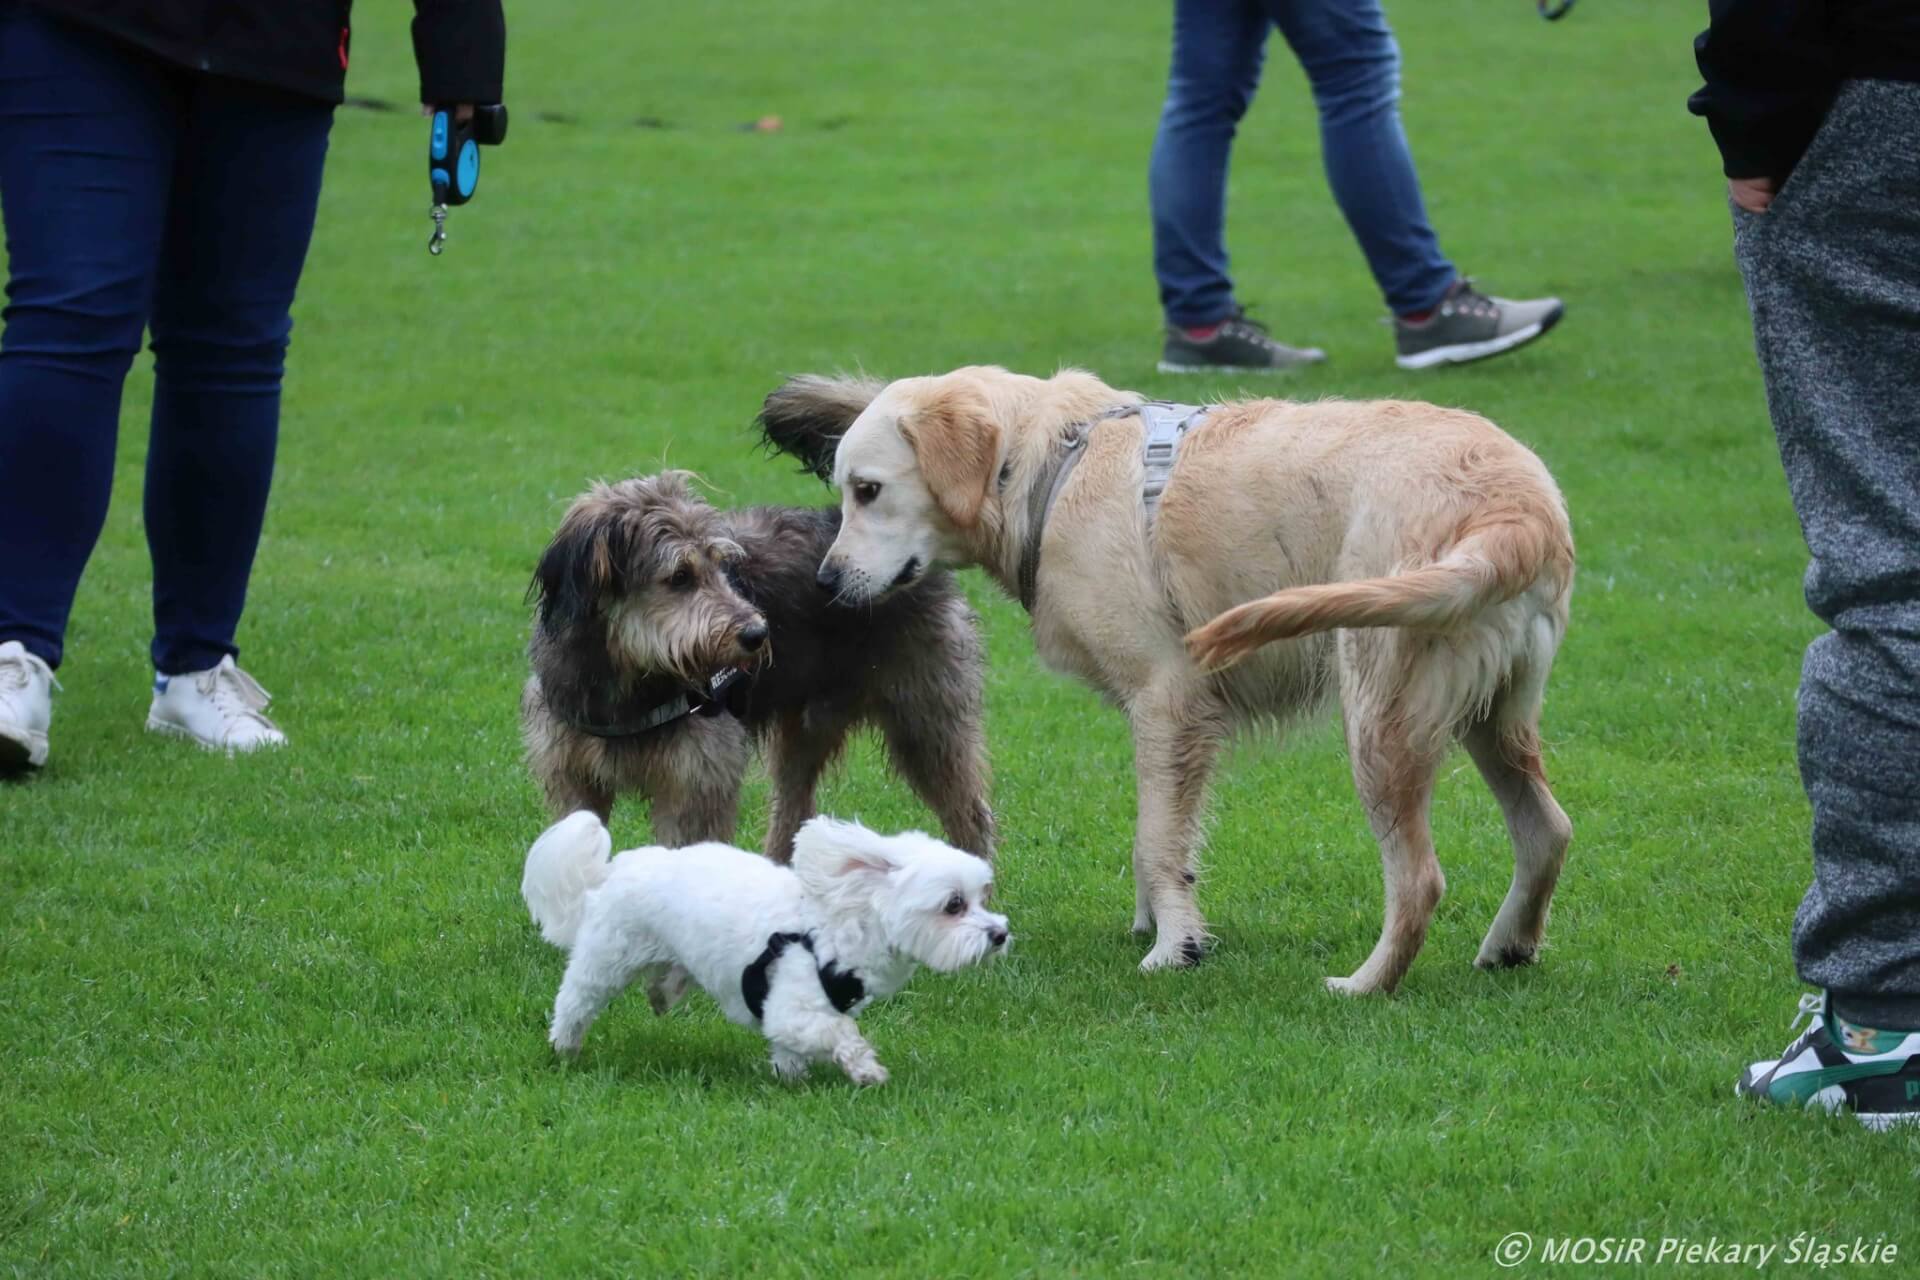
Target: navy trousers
column 137, row 194
column 1353, row 66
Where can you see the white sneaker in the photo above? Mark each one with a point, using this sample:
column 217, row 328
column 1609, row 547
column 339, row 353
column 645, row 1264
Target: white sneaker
column 26, row 705
column 218, row 708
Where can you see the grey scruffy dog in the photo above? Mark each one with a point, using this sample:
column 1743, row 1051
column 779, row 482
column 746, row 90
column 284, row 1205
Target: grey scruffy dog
column 671, row 637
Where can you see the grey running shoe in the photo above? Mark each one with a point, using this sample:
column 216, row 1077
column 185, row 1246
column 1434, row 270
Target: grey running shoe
column 1468, row 325
column 1238, row 345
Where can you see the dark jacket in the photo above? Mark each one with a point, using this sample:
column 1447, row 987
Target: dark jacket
column 1773, row 66
column 301, row 45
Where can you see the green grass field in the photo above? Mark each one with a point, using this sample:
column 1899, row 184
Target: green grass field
column 285, row 1016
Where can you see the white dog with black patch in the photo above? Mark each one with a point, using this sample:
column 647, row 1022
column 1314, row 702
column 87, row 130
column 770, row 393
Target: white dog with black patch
column 793, row 951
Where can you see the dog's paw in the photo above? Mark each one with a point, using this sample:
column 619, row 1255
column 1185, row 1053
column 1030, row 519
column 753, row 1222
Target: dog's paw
column 1142, row 922
column 1512, row 956
column 789, row 1066
column 1177, row 952
column 867, row 1073
column 1355, row 989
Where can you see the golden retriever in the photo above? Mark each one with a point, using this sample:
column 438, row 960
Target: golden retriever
column 1416, row 561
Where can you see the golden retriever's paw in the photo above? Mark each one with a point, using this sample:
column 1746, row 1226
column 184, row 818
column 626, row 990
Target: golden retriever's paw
column 1177, row 951
column 1511, row 956
column 1356, row 988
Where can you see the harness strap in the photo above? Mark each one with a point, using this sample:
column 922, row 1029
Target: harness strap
column 843, row 987
column 1164, row 426
column 1039, row 504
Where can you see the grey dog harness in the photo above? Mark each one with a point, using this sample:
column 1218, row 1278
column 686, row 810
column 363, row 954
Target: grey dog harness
column 1164, row 426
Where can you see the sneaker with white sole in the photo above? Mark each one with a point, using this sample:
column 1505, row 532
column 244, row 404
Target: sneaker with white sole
column 1236, row 344
column 26, row 706
column 1837, row 1066
column 1468, row 325
column 220, row 708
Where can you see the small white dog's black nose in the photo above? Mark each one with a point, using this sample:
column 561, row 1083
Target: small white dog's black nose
column 753, row 637
column 828, row 577
column 997, row 936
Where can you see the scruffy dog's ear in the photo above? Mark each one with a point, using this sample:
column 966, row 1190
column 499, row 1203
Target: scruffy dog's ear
column 805, row 417
column 585, row 561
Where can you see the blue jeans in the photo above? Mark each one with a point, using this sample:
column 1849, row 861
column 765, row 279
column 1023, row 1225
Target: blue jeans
column 136, row 193
column 1353, row 65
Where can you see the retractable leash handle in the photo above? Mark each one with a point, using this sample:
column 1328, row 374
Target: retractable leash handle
column 453, row 160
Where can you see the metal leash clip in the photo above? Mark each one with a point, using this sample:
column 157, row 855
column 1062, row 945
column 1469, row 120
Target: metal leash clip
column 453, row 160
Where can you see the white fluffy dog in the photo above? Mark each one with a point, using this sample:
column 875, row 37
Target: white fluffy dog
column 795, row 951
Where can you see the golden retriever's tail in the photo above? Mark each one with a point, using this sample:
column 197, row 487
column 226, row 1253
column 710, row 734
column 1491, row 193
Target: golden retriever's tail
column 1495, row 558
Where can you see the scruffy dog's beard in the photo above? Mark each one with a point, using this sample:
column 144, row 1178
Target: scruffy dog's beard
column 692, row 640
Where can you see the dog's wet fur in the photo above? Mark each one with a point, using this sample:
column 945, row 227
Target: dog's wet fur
column 647, row 591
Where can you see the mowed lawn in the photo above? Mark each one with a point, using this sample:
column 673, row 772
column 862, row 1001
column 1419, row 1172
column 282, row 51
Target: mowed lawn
column 285, row 1016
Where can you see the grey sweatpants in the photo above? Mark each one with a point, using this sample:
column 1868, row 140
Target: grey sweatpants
column 1832, row 271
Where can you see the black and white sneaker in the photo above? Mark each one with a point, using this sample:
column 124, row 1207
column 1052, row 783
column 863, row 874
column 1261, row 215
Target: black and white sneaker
column 1468, row 325
column 1235, row 345
column 1837, row 1066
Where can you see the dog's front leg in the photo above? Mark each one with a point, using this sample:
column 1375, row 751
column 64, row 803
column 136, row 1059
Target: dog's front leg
column 698, row 797
column 812, row 1030
column 1177, row 730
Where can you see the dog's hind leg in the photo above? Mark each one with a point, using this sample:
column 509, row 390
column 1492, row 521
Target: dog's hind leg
column 1508, row 757
column 667, row 988
column 799, row 750
column 1177, row 731
column 942, row 753
column 603, row 963
column 1394, row 763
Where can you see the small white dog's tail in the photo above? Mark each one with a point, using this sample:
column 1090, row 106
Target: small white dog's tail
column 566, row 863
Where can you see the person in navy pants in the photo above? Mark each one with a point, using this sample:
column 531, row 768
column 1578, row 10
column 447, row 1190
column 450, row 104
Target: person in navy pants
column 160, row 166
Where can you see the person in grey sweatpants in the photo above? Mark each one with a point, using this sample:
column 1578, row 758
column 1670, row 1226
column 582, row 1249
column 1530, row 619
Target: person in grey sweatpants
column 1829, row 249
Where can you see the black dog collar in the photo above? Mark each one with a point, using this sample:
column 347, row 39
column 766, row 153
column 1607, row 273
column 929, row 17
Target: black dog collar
column 717, row 697
column 843, row 986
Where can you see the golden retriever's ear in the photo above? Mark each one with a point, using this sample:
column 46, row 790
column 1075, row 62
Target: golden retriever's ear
column 958, row 448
